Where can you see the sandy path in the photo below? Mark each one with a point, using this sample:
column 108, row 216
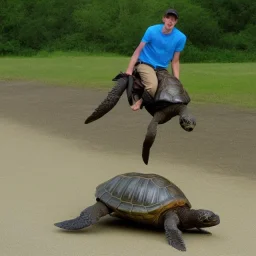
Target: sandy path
column 49, row 169
column 223, row 139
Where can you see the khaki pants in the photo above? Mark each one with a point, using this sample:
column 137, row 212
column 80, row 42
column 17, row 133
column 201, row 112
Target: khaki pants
column 148, row 78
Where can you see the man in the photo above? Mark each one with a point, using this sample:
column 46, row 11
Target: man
column 160, row 45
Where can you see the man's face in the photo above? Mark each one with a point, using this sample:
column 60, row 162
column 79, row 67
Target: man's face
column 169, row 22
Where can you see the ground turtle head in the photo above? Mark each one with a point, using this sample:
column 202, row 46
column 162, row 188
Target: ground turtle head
column 206, row 219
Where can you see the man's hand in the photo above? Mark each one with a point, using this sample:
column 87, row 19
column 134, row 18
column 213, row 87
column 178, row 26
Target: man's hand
column 128, row 72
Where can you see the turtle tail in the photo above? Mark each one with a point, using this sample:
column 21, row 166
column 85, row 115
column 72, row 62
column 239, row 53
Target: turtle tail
column 111, row 100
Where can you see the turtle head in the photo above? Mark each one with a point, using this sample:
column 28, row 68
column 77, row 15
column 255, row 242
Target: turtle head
column 187, row 122
column 205, row 218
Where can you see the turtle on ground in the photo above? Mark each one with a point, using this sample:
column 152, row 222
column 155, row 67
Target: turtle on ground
column 149, row 199
column 171, row 99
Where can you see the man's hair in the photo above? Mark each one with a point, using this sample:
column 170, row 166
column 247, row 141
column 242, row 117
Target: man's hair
column 171, row 12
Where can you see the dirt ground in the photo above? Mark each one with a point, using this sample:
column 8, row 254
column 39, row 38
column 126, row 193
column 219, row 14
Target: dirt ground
column 51, row 163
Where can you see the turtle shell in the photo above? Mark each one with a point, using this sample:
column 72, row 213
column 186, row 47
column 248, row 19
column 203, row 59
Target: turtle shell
column 140, row 197
column 170, row 89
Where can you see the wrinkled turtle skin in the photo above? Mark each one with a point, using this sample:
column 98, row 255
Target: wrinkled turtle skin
column 140, row 197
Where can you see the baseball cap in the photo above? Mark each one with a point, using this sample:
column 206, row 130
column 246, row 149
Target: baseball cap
column 172, row 12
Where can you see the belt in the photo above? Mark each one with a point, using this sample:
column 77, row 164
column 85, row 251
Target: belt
column 142, row 62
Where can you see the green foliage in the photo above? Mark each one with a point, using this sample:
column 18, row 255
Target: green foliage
column 244, row 40
column 212, row 54
column 222, row 30
column 232, row 15
column 200, row 26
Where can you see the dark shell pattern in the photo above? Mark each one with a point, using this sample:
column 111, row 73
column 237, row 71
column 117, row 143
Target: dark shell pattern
column 136, row 194
column 170, row 89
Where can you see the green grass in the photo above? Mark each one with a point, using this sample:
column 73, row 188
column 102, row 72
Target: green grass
column 221, row 83
column 206, row 83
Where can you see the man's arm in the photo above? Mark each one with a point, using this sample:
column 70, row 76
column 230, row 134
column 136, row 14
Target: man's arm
column 134, row 58
column 176, row 65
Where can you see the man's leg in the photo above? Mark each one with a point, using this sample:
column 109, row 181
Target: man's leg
column 148, row 79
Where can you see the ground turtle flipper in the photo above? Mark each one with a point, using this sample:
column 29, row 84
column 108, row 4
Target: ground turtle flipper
column 74, row 224
column 110, row 101
column 173, row 234
column 88, row 217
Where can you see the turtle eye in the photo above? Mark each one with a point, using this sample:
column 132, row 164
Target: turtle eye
column 204, row 217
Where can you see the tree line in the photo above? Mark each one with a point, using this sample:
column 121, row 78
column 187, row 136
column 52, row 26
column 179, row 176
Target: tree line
column 215, row 29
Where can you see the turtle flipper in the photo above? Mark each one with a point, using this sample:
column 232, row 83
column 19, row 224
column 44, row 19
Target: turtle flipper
column 88, row 217
column 150, row 136
column 111, row 100
column 173, row 234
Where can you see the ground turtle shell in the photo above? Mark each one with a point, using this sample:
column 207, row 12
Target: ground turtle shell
column 141, row 197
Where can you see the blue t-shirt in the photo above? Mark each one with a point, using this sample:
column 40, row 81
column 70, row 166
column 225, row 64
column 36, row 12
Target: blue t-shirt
column 160, row 48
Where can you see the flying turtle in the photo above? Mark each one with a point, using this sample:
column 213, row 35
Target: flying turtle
column 171, row 99
column 148, row 199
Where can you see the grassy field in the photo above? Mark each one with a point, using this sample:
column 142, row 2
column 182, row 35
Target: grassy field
column 207, row 83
